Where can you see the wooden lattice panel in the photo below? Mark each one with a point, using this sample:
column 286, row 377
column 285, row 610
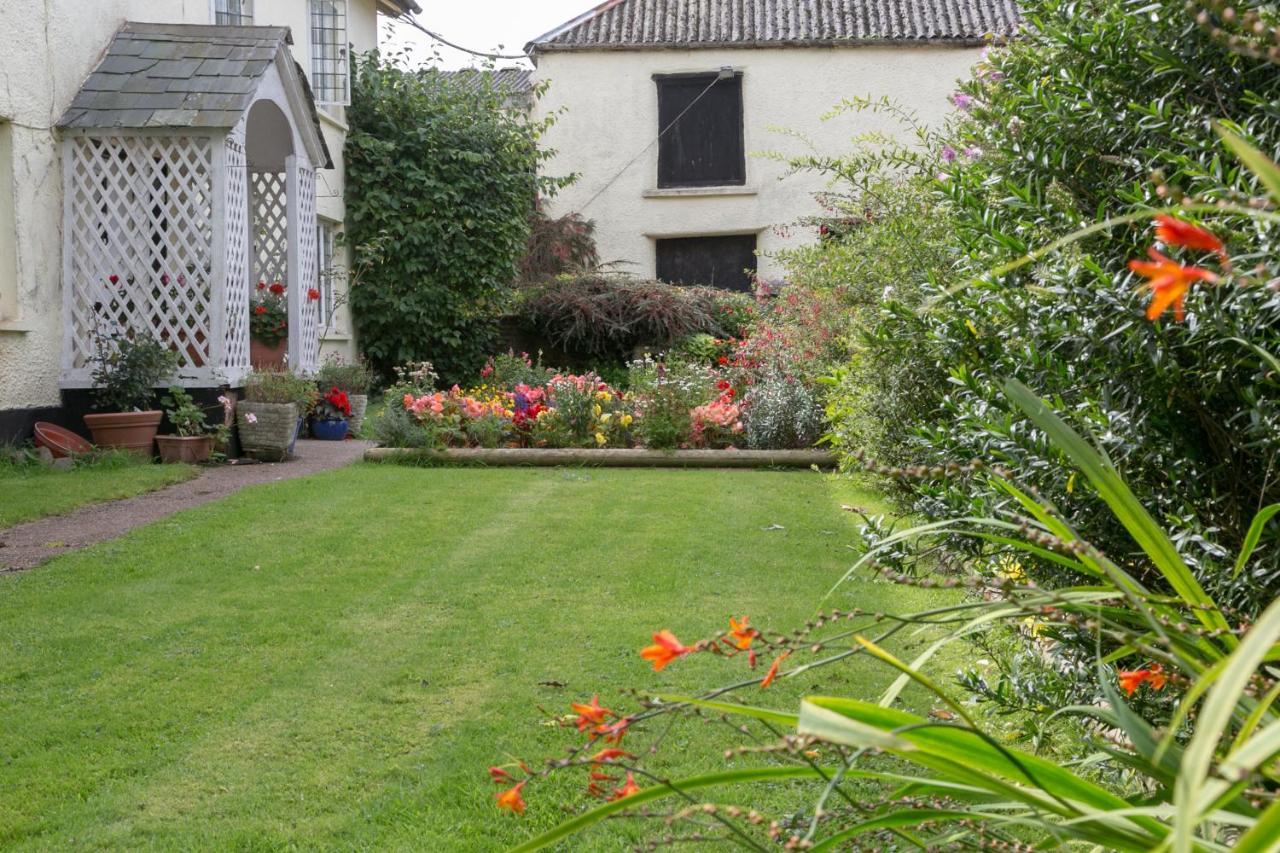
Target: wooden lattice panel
column 237, row 240
column 139, row 239
column 309, row 273
column 270, row 227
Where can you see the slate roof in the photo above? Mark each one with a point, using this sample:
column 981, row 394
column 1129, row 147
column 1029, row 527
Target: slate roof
column 181, row 75
column 648, row 24
column 514, row 83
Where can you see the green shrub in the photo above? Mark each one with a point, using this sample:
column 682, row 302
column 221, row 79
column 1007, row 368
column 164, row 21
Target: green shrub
column 281, row 386
column 447, row 176
column 127, row 369
column 353, row 377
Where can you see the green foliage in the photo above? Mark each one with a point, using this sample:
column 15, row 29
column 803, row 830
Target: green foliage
column 448, row 178
column 127, row 369
column 281, row 386
column 183, row 412
column 353, row 377
column 610, row 316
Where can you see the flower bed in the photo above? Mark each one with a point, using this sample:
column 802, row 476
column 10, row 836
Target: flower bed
column 679, row 404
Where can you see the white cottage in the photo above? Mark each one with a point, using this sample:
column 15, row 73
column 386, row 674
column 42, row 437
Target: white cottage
column 158, row 158
column 661, row 105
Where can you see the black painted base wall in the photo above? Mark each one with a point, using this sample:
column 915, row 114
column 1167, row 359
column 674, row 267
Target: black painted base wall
column 16, row 424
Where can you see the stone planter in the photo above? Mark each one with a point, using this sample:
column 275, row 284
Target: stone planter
column 266, row 356
column 359, row 405
column 191, row 449
column 132, row 431
column 269, row 433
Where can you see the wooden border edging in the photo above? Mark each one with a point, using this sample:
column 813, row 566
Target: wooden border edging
column 511, row 456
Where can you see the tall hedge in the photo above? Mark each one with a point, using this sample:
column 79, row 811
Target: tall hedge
column 1102, row 108
column 443, row 179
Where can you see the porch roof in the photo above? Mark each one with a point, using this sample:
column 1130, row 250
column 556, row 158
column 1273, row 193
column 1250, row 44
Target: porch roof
column 189, row 75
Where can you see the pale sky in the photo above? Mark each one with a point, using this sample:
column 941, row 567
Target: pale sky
column 481, row 25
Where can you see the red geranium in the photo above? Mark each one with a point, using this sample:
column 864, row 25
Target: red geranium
column 277, row 288
column 338, row 402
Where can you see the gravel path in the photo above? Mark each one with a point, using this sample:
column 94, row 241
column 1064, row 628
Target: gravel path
column 28, row 545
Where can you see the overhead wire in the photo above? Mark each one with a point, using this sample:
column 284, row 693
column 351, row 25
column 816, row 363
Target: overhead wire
column 413, row 22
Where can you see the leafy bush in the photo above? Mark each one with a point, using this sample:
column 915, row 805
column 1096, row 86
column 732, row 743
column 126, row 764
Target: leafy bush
column 181, row 409
column 562, row 246
column 353, row 377
column 281, row 386
column 127, row 369
column 780, row 411
column 610, row 316
column 448, row 176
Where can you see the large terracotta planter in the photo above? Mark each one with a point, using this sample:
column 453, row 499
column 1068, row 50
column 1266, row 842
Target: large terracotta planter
column 266, row 356
column 359, row 405
column 132, row 431
column 192, row 449
column 266, row 429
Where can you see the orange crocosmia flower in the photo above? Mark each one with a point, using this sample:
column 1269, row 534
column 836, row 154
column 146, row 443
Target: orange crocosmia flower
column 1157, row 677
column 1169, row 282
column 613, row 732
column 497, row 774
column 1130, row 679
column 591, row 715
column 511, row 800
column 609, row 755
column 773, row 670
column 626, row 790
column 751, row 658
column 1176, row 232
column 664, row 650
column 742, row 633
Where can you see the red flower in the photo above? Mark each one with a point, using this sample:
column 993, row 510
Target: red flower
column 1176, row 232
column 609, row 755
column 497, row 774
column 613, row 732
column 313, row 295
column 626, row 790
column 722, row 361
column 591, row 715
column 1131, row 679
column 773, row 670
column 665, row 649
column 114, row 279
column 1169, row 282
column 511, row 800
column 751, row 658
column 262, row 285
column 723, row 385
column 277, row 289
column 260, row 309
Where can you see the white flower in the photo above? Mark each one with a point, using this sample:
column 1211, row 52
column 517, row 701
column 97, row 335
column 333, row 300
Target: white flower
column 250, row 417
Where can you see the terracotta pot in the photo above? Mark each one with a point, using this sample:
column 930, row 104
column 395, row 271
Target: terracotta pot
column 132, row 431
column 192, row 449
column 267, row 357
column 269, row 432
column 60, row 442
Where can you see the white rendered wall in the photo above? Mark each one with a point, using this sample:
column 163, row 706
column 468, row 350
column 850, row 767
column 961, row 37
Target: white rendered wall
column 610, row 112
column 47, row 49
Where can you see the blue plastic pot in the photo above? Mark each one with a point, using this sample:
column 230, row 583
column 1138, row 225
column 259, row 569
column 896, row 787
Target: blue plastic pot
column 329, row 430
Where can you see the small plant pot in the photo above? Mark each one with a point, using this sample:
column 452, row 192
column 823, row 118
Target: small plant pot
column 268, row 434
column 329, row 430
column 359, row 405
column 131, row 431
column 268, row 356
column 191, row 449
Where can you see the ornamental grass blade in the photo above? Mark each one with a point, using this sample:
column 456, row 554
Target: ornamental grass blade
column 769, row 715
column 1211, row 724
column 1264, row 837
column 1254, row 535
column 1124, row 505
column 1260, row 164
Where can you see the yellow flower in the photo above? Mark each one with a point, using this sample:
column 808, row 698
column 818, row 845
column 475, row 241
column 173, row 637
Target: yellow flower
column 626, row 421
column 604, row 419
column 1012, row 569
column 600, row 439
column 596, row 410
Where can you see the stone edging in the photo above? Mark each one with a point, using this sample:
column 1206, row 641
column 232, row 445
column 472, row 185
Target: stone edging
column 509, row 456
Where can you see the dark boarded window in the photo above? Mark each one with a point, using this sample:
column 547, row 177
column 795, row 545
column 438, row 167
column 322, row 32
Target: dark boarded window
column 724, row 262
column 704, row 146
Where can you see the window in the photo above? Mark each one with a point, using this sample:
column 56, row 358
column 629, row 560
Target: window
column 703, row 147
column 725, row 262
column 325, row 233
column 235, row 13
column 329, row 79
column 8, row 229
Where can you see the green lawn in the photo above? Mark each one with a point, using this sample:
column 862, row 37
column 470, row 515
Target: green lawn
column 333, row 662
column 31, row 492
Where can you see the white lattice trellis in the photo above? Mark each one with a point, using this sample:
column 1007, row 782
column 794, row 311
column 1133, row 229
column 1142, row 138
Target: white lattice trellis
column 140, row 236
column 270, row 227
column 308, row 273
column 236, row 329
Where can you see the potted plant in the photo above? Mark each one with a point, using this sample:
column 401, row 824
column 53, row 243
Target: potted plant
column 194, row 442
column 268, row 417
column 268, row 326
column 128, row 367
column 331, row 416
column 352, row 377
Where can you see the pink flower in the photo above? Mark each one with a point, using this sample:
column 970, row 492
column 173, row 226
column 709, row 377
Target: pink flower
column 962, row 101
column 250, row 418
